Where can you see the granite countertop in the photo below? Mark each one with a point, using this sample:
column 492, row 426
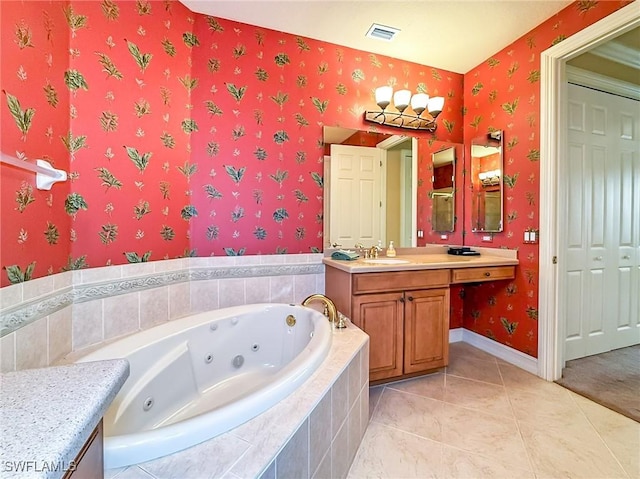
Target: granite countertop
column 412, row 259
column 46, row 415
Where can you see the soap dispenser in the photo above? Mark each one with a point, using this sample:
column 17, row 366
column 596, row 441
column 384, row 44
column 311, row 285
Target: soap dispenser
column 391, row 251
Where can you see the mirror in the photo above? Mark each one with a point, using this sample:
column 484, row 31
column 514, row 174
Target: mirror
column 443, row 193
column 486, row 183
column 370, row 188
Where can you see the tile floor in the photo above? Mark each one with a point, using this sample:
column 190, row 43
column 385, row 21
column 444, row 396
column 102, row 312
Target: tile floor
column 484, row 418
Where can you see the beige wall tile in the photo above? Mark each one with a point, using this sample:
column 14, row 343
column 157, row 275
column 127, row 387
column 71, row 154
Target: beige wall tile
column 154, row 306
column 8, row 353
column 319, row 431
column 87, row 324
column 31, row 345
column 137, row 269
column 10, row 295
column 59, row 334
column 281, row 289
column 231, row 292
column 257, row 290
column 179, row 300
column 303, row 286
column 204, row 295
column 121, row 315
column 96, row 275
column 37, row 287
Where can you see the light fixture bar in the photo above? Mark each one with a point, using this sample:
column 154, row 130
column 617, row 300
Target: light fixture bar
column 401, row 120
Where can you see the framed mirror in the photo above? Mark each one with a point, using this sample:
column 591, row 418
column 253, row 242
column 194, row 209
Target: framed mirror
column 370, row 184
column 443, row 193
column 486, row 183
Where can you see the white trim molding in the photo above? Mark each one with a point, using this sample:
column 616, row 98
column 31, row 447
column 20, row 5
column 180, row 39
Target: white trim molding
column 455, row 335
column 578, row 76
column 552, row 146
column 499, row 350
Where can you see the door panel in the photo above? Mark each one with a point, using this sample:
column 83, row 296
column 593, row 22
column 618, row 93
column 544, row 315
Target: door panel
column 381, row 317
column 426, row 330
column 354, row 215
column 599, row 262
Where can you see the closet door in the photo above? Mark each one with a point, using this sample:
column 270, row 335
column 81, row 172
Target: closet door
column 600, row 261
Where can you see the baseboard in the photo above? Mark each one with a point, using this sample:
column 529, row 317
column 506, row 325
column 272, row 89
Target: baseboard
column 455, row 335
column 507, row 354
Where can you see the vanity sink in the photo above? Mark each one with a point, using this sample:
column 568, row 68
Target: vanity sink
column 386, row 261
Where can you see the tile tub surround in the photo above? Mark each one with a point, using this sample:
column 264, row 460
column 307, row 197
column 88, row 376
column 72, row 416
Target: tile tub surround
column 47, row 415
column 313, row 433
column 44, row 319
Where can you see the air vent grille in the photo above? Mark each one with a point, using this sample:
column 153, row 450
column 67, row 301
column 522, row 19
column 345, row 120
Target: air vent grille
column 382, row 32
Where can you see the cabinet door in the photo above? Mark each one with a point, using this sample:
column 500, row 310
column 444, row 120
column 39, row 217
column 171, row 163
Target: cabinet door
column 426, row 330
column 381, row 317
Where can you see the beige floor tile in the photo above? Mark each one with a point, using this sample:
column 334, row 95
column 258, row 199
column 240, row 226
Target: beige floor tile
column 569, row 450
column 493, row 436
column 389, row 453
column 431, row 386
column 457, row 464
column 620, row 433
column 469, row 352
column 471, row 368
column 555, row 407
column 485, row 418
column 410, row 413
column 489, row 398
column 514, row 377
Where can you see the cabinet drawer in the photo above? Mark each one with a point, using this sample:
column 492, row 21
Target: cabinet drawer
column 399, row 281
column 475, row 275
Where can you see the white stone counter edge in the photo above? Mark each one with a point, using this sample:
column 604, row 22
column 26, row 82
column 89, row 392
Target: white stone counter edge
column 48, row 414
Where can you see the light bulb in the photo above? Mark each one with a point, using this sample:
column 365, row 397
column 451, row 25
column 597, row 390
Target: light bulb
column 401, row 99
column 419, row 103
column 383, row 96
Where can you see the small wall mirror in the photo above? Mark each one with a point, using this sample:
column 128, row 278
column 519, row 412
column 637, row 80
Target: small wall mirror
column 486, row 183
column 443, row 193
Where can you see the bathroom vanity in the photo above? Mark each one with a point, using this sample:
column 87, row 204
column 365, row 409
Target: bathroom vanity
column 403, row 303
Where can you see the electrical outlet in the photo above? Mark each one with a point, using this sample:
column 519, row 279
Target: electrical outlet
column 487, row 239
column 420, row 234
column 444, row 237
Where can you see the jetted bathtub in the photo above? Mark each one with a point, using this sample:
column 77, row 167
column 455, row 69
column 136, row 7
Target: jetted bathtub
column 197, row 377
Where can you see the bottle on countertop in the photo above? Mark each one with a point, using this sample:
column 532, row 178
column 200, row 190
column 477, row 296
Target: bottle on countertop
column 391, row 251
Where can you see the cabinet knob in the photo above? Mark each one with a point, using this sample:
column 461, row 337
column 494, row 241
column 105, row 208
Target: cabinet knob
column 626, row 256
column 598, row 258
column 410, row 298
column 402, row 300
column 487, row 274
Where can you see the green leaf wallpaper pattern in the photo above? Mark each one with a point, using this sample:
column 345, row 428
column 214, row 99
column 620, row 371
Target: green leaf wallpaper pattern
column 160, row 108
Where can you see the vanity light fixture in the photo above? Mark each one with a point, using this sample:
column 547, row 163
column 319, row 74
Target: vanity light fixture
column 402, row 99
column 489, row 178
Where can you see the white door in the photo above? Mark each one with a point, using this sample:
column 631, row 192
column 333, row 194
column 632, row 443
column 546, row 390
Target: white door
column 355, row 197
column 601, row 258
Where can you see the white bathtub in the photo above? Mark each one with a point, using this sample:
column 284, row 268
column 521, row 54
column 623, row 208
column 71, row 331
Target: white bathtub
column 195, row 378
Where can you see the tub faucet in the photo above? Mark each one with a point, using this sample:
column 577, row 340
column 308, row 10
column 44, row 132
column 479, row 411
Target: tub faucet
column 330, row 310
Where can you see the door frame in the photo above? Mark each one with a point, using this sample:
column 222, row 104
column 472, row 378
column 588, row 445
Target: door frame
column 386, row 145
column 553, row 143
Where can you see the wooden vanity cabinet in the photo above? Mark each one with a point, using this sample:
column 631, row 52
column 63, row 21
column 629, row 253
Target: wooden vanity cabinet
column 405, row 314
column 89, row 464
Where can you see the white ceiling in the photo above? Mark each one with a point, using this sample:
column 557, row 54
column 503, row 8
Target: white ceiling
column 454, row 35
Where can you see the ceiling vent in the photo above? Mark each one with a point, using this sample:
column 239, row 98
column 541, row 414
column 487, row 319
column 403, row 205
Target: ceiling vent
column 382, row 32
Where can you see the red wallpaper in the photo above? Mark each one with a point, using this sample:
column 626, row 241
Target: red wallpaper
column 503, row 93
column 34, row 46
column 189, row 135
